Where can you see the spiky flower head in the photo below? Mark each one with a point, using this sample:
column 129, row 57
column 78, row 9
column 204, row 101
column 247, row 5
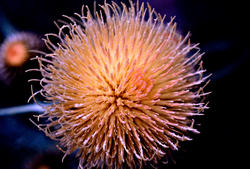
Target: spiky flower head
column 123, row 89
column 15, row 52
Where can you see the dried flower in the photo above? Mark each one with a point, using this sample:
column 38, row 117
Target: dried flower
column 15, row 52
column 123, row 89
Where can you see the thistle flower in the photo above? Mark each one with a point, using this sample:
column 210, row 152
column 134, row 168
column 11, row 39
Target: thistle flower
column 15, row 52
column 123, row 89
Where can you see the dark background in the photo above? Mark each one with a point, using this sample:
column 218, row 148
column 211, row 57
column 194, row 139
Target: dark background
column 221, row 29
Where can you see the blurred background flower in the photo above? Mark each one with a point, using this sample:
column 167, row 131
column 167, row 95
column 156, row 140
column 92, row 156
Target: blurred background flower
column 219, row 26
column 15, row 54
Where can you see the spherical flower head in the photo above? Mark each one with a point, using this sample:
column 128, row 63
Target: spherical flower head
column 123, row 89
column 15, row 52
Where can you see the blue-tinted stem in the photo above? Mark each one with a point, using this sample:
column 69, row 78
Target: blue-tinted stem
column 21, row 109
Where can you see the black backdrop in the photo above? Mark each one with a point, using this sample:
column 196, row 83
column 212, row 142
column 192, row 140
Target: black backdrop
column 221, row 29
